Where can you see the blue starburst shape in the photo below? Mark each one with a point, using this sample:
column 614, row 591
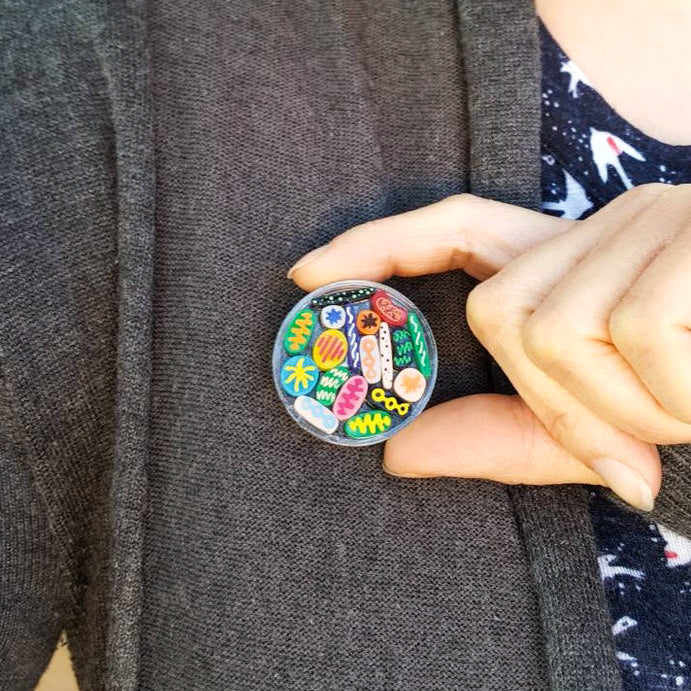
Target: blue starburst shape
column 333, row 316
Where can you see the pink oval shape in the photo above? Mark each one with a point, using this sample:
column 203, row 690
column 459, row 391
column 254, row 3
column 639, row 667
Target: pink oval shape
column 350, row 397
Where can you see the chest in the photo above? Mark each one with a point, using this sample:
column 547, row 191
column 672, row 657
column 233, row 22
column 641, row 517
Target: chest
column 635, row 53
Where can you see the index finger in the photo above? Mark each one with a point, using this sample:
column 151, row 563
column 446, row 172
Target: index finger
column 462, row 231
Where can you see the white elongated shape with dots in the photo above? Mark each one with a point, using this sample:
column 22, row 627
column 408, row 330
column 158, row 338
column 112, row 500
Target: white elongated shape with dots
column 386, row 355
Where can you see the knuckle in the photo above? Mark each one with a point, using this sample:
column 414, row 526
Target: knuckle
column 483, row 310
column 635, row 329
column 529, row 428
column 562, row 426
column 464, row 207
column 546, row 338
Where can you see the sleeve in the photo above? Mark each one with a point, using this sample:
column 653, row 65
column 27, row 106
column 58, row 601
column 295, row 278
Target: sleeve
column 33, row 596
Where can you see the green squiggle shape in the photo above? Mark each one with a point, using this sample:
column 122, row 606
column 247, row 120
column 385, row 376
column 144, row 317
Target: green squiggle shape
column 421, row 352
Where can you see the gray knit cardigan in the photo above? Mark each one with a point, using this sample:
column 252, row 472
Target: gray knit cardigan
column 162, row 165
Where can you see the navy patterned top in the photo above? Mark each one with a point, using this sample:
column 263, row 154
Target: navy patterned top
column 590, row 155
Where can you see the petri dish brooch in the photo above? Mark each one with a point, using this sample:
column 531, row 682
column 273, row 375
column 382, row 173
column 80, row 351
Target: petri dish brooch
column 354, row 362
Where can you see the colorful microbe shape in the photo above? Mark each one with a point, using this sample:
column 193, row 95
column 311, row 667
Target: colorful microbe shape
column 353, row 339
column 354, row 362
column 369, row 356
column 332, row 317
column 367, row 424
column 420, row 345
column 299, row 332
column 409, row 384
column 350, row 397
column 403, row 350
column 386, row 356
column 330, row 383
column 299, row 375
column 342, row 297
column 330, row 349
column 368, row 322
column 390, row 313
column 381, row 399
column 316, row 414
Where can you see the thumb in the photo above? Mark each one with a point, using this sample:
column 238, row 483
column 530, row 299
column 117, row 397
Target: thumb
column 492, row 437
column 463, row 231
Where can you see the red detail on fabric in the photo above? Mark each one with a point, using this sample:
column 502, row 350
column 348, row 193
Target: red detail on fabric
column 613, row 145
column 670, row 555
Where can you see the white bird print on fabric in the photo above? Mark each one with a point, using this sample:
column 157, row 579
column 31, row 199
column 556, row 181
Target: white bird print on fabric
column 677, row 549
column 606, row 149
column 607, row 570
column 623, row 624
column 575, row 76
column 576, row 202
column 621, row 655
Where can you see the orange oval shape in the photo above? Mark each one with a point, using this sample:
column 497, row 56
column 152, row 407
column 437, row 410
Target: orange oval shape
column 368, row 322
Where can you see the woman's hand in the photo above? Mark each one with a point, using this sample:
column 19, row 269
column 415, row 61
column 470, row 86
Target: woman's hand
column 590, row 320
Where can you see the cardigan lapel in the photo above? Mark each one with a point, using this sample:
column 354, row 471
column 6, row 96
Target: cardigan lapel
column 125, row 55
column 499, row 42
column 501, row 52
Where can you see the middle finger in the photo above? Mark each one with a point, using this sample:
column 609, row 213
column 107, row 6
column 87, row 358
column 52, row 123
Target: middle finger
column 568, row 334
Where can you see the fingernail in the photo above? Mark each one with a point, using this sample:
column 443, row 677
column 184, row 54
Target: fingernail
column 309, row 257
column 626, row 482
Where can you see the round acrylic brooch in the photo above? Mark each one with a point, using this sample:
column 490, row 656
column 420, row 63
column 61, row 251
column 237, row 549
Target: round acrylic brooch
column 354, row 362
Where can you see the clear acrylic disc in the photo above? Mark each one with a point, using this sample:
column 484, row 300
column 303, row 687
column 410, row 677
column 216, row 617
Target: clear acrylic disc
column 354, row 362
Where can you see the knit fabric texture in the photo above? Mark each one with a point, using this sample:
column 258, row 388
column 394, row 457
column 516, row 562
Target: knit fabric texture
column 311, row 120
column 165, row 163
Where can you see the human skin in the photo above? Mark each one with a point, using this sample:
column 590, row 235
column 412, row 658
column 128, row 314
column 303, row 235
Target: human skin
column 590, row 320
column 635, row 53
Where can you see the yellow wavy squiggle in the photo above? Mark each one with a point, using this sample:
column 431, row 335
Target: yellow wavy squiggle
column 300, row 331
column 370, row 423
